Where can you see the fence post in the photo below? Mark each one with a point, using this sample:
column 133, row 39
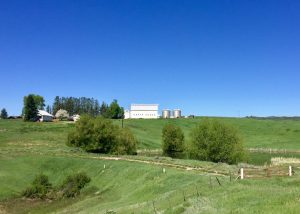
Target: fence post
column 290, row 170
column 242, row 173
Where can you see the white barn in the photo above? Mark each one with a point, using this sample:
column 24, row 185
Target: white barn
column 144, row 111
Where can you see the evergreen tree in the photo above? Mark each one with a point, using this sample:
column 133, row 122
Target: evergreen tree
column 3, row 114
column 96, row 108
column 90, row 106
column 30, row 109
column 56, row 105
column 103, row 109
column 48, row 109
column 69, row 105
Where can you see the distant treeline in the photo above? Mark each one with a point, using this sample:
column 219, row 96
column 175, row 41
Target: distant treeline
column 84, row 105
column 274, row 118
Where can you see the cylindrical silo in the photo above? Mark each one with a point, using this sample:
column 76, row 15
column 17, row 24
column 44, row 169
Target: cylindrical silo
column 166, row 113
column 177, row 113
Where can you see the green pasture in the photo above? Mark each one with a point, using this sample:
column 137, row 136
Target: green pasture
column 257, row 133
column 27, row 149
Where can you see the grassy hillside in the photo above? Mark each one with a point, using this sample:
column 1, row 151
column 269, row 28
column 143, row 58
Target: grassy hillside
column 279, row 134
column 138, row 188
column 127, row 186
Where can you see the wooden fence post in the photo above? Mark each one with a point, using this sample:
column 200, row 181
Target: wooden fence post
column 242, row 173
column 290, row 170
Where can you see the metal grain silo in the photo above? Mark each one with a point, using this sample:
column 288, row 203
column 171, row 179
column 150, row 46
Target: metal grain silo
column 166, row 113
column 177, row 113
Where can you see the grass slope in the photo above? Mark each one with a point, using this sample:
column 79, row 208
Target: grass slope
column 27, row 149
column 140, row 188
column 279, row 134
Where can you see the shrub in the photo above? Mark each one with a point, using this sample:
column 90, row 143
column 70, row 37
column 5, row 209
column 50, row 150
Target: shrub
column 172, row 141
column 214, row 141
column 126, row 143
column 100, row 135
column 39, row 189
column 73, row 184
column 83, row 133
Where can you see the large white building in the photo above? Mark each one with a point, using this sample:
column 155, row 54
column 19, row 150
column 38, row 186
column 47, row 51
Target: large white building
column 145, row 111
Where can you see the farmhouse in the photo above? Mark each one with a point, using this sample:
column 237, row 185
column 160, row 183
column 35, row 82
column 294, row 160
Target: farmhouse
column 44, row 116
column 145, row 111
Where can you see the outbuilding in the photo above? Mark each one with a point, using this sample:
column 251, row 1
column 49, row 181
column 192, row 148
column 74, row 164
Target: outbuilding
column 44, row 116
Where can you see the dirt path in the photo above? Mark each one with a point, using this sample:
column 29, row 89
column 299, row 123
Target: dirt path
column 208, row 170
column 158, row 163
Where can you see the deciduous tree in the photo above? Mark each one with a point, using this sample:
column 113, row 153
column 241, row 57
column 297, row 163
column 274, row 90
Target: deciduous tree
column 214, row 141
column 172, row 141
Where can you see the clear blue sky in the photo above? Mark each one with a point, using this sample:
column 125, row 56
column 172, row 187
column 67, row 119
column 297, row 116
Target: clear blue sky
column 226, row 57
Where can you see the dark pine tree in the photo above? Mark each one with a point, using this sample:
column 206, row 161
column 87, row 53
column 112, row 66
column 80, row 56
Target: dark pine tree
column 30, row 109
column 56, row 105
column 103, row 109
column 48, row 109
column 3, row 114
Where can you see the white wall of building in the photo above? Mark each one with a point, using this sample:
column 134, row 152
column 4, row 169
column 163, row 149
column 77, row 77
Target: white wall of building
column 127, row 114
column 145, row 111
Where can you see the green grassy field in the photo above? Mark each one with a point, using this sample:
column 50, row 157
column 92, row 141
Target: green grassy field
column 27, row 149
column 279, row 134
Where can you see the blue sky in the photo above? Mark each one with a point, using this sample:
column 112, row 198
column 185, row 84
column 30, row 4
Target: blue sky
column 221, row 58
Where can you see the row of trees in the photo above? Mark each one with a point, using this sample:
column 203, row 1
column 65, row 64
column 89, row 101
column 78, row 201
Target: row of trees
column 88, row 106
column 73, row 105
column 100, row 135
column 83, row 105
column 210, row 140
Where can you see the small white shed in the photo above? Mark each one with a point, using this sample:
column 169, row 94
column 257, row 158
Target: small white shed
column 44, row 116
column 76, row 117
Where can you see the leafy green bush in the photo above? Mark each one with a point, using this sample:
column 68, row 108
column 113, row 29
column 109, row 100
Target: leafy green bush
column 101, row 136
column 73, row 184
column 39, row 189
column 172, row 141
column 217, row 142
column 126, row 143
